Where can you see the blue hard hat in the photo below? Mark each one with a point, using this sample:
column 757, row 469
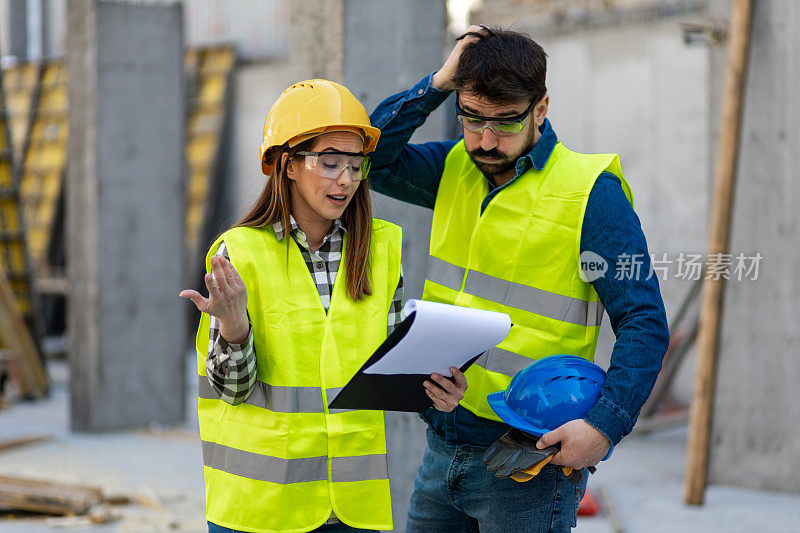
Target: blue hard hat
column 548, row 393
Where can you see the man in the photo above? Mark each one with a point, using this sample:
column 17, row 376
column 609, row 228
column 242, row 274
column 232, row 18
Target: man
column 515, row 214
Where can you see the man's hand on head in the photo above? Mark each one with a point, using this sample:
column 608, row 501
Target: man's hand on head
column 581, row 444
column 443, row 79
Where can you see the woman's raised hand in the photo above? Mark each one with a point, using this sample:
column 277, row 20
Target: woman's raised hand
column 227, row 300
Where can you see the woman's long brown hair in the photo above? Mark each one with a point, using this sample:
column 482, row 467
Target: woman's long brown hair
column 275, row 203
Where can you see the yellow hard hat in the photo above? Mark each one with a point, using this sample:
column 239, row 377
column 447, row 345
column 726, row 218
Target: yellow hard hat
column 310, row 108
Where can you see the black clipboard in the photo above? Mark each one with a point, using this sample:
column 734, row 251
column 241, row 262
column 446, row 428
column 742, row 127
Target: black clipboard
column 388, row 392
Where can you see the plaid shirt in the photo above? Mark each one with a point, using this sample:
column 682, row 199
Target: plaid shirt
column 231, row 368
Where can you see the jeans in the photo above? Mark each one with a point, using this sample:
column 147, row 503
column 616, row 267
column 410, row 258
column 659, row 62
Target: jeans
column 327, row 528
column 454, row 492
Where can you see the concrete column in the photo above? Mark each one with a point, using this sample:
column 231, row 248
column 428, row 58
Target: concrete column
column 756, row 439
column 316, row 40
column 125, row 214
column 377, row 48
column 18, row 28
column 47, row 27
column 389, row 46
column 383, row 59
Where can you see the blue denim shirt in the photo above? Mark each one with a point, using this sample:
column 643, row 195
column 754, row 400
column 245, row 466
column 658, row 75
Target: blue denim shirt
column 411, row 173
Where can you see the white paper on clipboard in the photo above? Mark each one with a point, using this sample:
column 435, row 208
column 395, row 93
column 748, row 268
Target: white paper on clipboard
column 442, row 336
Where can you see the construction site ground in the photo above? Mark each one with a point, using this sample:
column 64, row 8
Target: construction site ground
column 640, row 488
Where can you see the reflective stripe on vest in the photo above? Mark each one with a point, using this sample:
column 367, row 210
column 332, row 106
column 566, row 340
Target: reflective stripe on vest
column 444, row 273
column 533, row 300
column 278, row 399
column 521, row 256
column 503, row 361
column 285, row 471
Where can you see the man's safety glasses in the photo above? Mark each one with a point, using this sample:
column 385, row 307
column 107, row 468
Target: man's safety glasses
column 500, row 126
column 330, row 165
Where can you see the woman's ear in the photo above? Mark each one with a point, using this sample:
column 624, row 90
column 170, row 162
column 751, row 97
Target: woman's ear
column 288, row 164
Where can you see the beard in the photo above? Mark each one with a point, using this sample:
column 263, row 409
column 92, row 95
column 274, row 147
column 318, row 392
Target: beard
column 500, row 163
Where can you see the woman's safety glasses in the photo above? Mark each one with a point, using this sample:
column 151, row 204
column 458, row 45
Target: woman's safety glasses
column 500, row 126
column 330, row 165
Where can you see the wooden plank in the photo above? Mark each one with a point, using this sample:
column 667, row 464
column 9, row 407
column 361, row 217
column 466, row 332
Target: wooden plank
column 100, row 514
column 52, row 285
column 14, row 335
column 14, row 253
column 16, row 442
column 47, row 497
column 719, row 236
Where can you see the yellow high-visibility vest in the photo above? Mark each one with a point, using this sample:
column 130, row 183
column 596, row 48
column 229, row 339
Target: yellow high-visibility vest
column 282, row 461
column 521, row 257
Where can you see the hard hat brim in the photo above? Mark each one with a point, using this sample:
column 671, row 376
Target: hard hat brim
column 369, row 135
column 497, row 402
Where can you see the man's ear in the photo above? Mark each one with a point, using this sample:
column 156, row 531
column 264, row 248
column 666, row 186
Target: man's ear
column 540, row 111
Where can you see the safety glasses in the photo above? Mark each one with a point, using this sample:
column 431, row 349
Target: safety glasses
column 331, row 164
column 499, row 126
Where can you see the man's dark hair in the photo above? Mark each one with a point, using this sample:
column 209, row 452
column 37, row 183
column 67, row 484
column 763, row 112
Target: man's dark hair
column 503, row 66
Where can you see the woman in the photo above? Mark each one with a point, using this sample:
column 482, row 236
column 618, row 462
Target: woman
column 289, row 319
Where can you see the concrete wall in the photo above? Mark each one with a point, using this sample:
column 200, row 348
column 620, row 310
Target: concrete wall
column 756, row 437
column 256, row 87
column 125, row 197
column 639, row 91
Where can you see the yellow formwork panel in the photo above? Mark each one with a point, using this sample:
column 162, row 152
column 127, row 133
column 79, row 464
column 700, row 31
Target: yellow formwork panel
column 53, row 98
column 191, row 57
column 20, row 75
column 3, row 141
column 217, row 59
column 13, row 258
column 212, row 89
column 197, row 187
column 20, row 290
column 55, row 73
column 201, row 149
column 210, row 68
column 45, row 162
column 207, row 122
column 13, row 264
column 6, row 174
column 9, row 215
column 20, row 82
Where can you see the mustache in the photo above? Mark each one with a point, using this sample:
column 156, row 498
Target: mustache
column 493, row 153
